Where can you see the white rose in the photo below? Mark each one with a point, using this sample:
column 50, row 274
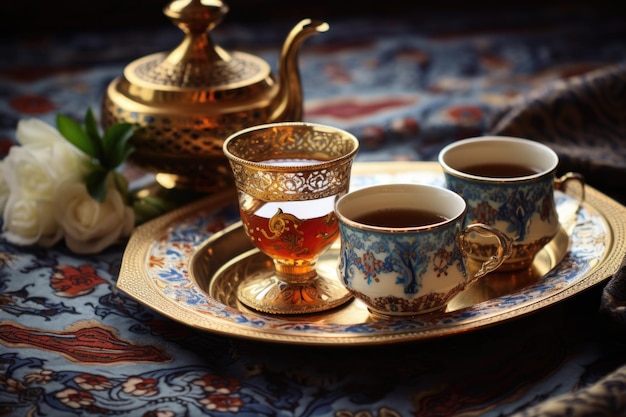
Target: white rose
column 29, row 221
column 29, row 177
column 48, row 157
column 91, row 226
column 28, row 171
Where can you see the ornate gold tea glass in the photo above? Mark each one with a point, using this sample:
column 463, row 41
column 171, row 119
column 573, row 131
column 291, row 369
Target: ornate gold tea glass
column 288, row 176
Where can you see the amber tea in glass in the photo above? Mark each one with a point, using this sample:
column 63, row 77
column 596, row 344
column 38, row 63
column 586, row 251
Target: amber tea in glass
column 288, row 176
column 282, row 230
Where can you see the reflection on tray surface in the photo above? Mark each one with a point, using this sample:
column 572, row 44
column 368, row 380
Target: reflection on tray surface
column 229, row 258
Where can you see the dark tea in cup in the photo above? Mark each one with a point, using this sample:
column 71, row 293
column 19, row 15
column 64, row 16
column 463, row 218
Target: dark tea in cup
column 500, row 170
column 400, row 217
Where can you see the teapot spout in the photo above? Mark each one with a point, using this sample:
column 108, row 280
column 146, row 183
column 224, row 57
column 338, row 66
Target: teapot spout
column 288, row 102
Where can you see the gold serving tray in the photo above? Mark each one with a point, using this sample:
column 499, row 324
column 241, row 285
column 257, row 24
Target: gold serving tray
column 187, row 265
column 226, row 259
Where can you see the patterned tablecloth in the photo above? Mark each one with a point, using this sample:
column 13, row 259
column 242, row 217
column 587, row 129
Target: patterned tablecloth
column 72, row 344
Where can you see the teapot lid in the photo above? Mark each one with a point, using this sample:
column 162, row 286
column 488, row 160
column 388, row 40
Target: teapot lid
column 197, row 63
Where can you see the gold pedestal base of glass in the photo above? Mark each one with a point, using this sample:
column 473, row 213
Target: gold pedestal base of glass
column 270, row 294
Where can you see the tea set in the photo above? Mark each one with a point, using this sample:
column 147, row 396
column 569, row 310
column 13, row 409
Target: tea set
column 208, row 119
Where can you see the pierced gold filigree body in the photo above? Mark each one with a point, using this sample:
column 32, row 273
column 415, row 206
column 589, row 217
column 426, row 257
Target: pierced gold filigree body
column 184, row 103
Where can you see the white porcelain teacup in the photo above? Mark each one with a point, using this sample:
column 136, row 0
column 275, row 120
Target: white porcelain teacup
column 403, row 247
column 508, row 183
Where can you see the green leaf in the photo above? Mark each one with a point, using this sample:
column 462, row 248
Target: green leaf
column 148, row 208
column 107, row 152
column 121, row 183
column 91, row 127
column 75, row 134
column 116, row 144
column 96, row 182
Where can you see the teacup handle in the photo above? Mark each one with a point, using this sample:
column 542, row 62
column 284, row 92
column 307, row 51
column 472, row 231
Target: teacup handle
column 563, row 183
column 505, row 247
column 568, row 212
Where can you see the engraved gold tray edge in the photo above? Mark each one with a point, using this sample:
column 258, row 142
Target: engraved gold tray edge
column 135, row 281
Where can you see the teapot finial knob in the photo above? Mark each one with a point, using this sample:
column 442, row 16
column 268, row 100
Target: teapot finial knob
column 196, row 16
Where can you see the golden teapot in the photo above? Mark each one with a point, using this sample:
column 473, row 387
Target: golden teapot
column 186, row 102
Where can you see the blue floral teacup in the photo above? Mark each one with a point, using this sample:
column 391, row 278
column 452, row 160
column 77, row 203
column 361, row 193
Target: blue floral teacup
column 508, row 183
column 404, row 250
